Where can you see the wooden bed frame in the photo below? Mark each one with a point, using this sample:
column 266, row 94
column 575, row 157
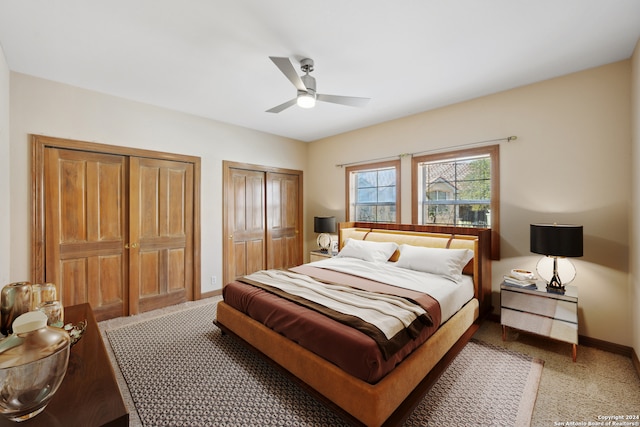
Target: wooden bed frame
column 392, row 399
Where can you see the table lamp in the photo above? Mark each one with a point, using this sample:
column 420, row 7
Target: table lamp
column 324, row 225
column 556, row 241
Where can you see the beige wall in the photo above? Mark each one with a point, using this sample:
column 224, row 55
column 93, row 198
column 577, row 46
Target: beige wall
column 44, row 107
column 634, row 280
column 5, row 225
column 570, row 164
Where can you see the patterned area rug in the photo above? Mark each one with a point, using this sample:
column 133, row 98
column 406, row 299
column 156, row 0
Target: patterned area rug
column 181, row 371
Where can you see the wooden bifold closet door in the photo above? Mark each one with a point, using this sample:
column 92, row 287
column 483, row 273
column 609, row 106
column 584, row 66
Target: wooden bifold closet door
column 86, row 229
column 262, row 219
column 161, row 229
column 119, row 230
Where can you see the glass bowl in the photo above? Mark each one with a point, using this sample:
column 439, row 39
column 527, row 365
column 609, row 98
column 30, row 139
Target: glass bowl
column 33, row 363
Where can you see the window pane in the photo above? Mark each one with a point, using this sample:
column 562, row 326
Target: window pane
column 387, row 177
column 386, row 213
column 456, row 192
column 474, row 215
column 439, row 214
column 367, row 179
column 373, row 196
column 386, row 194
column 365, row 213
column 475, row 184
column 366, row 195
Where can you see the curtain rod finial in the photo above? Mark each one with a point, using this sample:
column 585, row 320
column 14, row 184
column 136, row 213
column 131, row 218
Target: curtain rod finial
column 512, row 138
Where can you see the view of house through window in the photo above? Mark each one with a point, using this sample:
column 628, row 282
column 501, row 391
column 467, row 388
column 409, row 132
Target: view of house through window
column 373, row 192
column 456, row 188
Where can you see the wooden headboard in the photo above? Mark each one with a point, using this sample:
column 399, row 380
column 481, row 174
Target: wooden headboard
column 476, row 239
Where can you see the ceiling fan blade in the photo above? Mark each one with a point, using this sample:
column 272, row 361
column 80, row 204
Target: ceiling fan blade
column 285, row 65
column 351, row 101
column 283, row 106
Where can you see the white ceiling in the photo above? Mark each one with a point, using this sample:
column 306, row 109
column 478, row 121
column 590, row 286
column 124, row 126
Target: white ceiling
column 211, row 57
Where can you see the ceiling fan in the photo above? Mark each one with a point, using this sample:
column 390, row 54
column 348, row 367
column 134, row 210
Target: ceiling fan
column 306, row 85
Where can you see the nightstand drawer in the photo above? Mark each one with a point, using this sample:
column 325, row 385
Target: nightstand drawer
column 318, row 256
column 540, row 305
column 546, row 326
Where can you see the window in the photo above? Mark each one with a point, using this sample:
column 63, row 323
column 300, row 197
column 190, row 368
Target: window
column 459, row 189
column 373, row 192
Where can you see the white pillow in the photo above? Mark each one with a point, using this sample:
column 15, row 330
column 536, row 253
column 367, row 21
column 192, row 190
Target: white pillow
column 367, row 250
column 444, row 262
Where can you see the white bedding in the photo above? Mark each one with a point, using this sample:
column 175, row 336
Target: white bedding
column 450, row 295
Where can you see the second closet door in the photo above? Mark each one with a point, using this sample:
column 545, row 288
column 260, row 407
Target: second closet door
column 261, row 219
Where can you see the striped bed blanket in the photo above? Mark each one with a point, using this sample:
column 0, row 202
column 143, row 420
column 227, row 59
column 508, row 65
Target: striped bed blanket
column 389, row 319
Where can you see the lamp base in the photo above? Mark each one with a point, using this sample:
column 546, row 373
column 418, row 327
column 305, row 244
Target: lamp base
column 324, row 242
column 554, row 285
column 556, row 289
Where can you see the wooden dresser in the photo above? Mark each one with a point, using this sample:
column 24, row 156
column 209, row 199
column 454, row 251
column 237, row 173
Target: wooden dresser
column 89, row 394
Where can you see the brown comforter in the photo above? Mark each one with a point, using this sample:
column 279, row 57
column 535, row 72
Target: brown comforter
column 350, row 349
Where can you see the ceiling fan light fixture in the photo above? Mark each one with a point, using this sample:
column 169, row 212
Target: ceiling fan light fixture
column 306, row 85
column 306, row 100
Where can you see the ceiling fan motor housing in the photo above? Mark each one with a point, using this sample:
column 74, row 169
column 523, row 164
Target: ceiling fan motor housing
column 306, row 65
column 309, row 83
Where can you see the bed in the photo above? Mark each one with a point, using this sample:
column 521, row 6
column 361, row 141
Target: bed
column 382, row 395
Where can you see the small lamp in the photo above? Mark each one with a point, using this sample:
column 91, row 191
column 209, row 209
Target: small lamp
column 556, row 240
column 324, row 225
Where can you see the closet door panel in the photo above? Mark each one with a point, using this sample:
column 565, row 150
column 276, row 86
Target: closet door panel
column 176, row 262
column 245, row 228
column 283, row 231
column 75, row 289
column 74, row 206
column 174, row 223
column 85, row 229
column 237, row 263
column 109, row 270
column 149, row 278
column 161, row 232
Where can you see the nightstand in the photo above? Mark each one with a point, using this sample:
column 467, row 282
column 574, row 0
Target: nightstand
column 540, row 312
column 318, row 255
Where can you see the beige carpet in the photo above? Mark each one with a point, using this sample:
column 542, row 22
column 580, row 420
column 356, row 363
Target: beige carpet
column 598, row 384
column 503, row 392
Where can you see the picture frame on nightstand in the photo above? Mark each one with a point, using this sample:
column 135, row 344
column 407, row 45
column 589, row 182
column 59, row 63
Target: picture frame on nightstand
column 335, row 246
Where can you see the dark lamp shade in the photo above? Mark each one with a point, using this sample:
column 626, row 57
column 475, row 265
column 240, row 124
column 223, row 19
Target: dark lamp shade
column 324, row 224
column 556, row 240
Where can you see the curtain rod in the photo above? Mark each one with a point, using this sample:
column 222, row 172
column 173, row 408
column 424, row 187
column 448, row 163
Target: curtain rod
column 435, row 150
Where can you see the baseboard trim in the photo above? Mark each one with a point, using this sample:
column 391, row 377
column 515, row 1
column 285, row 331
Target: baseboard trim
column 605, row 345
column 595, row 343
column 635, row 361
column 211, row 294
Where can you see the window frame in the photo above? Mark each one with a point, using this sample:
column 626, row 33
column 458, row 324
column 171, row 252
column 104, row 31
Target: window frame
column 371, row 167
column 493, row 151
